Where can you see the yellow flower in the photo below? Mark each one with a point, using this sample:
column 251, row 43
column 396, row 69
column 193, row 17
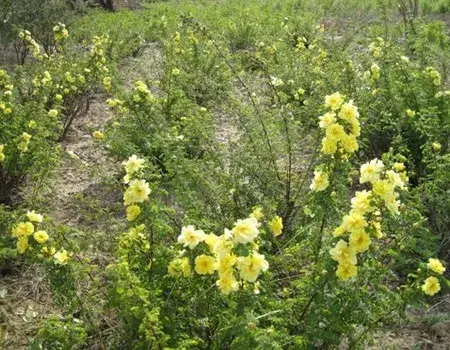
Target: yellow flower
column 349, row 143
column 339, row 231
column 211, row 241
column 359, row 241
column 227, row 284
column 245, row 231
column 370, row 172
column 334, row 101
column 107, row 83
column 361, row 202
column 33, row 216
column 320, row 181
column 348, row 112
column 431, row 286
column 392, row 204
column 133, row 164
column 436, row 266
column 22, row 146
column 375, row 69
column 25, row 137
column 383, row 188
column 377, row 226
column 251, row 266
column 226, row 263
column 410, row 113
column 335, row 132
column 405, row 59
column 346, row 271
column 436, row 146
column 205, row 264
column 224, row 244
column 434, row 74
column 276, row 226
column 2, row 156
column 399, row 167
column 180, row 267
column 23, row 229
column 41, row 237
column 53, row 113
column 343, row 253
column 48, row 252
column 190, row 237
column 329, row 146
column 377, row 52
column 355, row 127
column 133, row 212
column 137, row 192
column 327, row 119
column 257, row 214
column 98, row 135
column 22, row 244
column 175, row 71
column 61, row 257
column 32, row 124
column 354, row 222
column 395, row 179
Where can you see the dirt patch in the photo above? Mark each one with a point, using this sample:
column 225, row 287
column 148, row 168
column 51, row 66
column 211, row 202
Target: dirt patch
column 423, row 329
column 84, row 166
column 25, row 301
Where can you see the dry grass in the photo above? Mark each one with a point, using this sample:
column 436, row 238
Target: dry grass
column 25, row 301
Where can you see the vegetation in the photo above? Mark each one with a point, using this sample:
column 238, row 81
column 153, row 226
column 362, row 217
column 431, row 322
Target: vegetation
column 278, row 174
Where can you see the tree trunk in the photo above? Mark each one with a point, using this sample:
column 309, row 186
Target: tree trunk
column 107, row 4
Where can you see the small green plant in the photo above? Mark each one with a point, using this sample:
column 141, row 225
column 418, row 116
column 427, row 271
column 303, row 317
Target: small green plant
column 60, row 333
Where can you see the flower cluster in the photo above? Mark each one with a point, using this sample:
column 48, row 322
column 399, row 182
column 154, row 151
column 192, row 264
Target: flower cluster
column 138, row 190
column 431, row 285
column 223, row 253
column 376, row 47
column 341, row 125
column 98, row 51
column 320, row 181
column 24, row 141
column 60, row 32
column 99, row 59
column 98, row 135
column 141, row 93
column 2, row 155
column 364, row 218
column 434, row 74
column 276, row 226
column 31, row 43
column 23, row 230
column 373, row 73
column 5, row 93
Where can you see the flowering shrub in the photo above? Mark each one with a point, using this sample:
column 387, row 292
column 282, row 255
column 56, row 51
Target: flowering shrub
column 275, row 178
column 38, row 104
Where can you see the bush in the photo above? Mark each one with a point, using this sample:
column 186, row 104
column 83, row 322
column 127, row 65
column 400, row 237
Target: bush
column 323, row 196
column 38, row 104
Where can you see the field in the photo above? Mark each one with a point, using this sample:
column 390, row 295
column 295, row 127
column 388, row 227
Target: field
column 267, row 174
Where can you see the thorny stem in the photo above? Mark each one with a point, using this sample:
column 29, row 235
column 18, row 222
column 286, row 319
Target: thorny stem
column 289, row 146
